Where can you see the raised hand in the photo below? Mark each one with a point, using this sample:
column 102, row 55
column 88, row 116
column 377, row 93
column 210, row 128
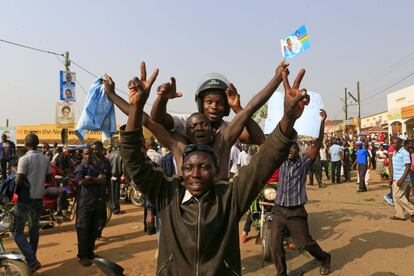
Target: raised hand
column 323, row 115
column 108, row 84
column 295, row 99
column 168, row 90
column 283, row 66
column 139, row 89
column 233, row 98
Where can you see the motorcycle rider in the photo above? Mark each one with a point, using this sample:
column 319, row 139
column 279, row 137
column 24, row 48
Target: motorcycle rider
column 52, row 191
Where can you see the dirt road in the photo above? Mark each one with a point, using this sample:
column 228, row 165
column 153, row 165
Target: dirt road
column 354, row 227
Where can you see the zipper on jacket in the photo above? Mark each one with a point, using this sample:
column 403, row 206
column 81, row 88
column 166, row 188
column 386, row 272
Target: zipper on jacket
column 166, row 263
column 197, row 268
column 231, row 270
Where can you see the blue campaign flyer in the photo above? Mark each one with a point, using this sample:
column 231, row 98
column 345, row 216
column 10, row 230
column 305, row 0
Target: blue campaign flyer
column 295, row 43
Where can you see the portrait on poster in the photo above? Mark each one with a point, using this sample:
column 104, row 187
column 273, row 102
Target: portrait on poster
column 65, row 114
column 67, row 86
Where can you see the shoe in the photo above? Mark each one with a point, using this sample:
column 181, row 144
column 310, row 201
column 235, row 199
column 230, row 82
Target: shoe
column 338, row 182
column 326, row 266
column 85, row 262
column 118, row 212
column 102, row 238
column 389, row 200
column 151, row 230
column 35, row 266
column 362, row 191
column 243, row 238
column 397, row 218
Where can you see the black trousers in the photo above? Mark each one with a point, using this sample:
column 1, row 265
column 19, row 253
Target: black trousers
column 315, row 170
column 325, row 166
column 295, row 220
column 115, row 194
column 347, row 170
column 87, row 223
column 336, row 171
column 362, row 170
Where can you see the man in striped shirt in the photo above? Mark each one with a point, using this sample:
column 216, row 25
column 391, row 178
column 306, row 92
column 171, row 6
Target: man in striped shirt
column 400, row 179
column 289, row 211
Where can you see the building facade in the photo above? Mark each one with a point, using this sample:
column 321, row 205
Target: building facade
column 401, row 111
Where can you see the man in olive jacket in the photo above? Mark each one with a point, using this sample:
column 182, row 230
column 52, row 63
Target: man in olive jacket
column 200, row 216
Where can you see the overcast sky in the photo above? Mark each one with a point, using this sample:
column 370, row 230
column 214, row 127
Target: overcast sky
column 369, row 41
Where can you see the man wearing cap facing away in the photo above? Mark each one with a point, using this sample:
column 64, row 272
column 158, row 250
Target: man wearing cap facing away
column 200, row 216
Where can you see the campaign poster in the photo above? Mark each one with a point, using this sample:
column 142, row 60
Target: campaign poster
column 307, row 125
column 65, row 114
column 67, row 86
column 10, row 132
column 295, row 43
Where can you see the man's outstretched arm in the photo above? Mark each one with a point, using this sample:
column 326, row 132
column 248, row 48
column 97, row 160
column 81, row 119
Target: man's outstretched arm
column 148, row 177
column 243, row 118
column 274, row 151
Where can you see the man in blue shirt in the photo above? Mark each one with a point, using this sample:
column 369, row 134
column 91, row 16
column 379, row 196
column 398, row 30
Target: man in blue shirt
column 335, row 152
column 400, row 179
column 289, row 210
column 362, row 159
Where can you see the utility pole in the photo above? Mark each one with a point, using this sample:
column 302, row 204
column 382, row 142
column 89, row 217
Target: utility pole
column 7, row 122
column 65, row 133
column 346, row 111
column 67, row 61
column 359, row 107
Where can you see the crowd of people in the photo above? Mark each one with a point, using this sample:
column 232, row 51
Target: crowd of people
column 200, row 174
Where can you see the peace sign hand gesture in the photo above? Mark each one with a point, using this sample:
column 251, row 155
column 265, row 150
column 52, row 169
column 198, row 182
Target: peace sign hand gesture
column 295, row 99
column 139, row 89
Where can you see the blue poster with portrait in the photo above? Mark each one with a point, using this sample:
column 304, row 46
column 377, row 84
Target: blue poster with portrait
column 67, row 86
column 295, row 43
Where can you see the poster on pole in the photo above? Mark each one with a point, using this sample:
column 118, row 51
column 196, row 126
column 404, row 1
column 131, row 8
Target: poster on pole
column 10, row 132
column 307, row 125
column 295, row 43
column 65, row 114
column 67, row 86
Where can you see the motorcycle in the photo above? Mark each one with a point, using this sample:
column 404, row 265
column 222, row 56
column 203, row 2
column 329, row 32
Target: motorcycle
column 128, row 192
column 11, row 263
column 50, row 204
column 266, row 203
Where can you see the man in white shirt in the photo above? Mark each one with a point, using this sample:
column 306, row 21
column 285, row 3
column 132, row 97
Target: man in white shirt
column 335, row 152
column 244, row 157
column 234, row 156
column 33, row 170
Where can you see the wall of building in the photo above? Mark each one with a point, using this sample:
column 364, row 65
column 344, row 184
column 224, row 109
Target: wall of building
column 401, row 110
column 378, row 119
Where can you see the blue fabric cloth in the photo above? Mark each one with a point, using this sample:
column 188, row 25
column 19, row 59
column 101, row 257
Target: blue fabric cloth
column 98, row 113
column 362, row 156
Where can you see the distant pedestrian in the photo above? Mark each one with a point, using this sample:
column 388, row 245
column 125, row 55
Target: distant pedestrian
column 363, row 165
column 33, row 170
column 7, row 153
column 400, row 180
column 335, row 152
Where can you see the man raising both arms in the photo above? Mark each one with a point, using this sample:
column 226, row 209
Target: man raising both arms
column 200, row 216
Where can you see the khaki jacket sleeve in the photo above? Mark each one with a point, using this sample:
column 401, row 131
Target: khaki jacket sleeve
column 147, row 176
column 252, row 178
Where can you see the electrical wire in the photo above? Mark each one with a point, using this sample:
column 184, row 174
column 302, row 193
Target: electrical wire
column 371, row 95
column 30, row 47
